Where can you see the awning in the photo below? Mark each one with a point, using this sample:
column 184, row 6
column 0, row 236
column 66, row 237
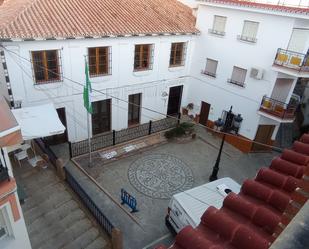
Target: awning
column 38, row 121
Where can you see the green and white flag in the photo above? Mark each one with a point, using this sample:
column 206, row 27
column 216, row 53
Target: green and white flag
column 87, row 90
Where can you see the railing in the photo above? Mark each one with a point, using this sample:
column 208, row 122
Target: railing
column 45, row 149
column 216, row 32
column 278, row 108
column 214, row 75
column 247, row 38
column 89, row 203
column 292, row 60
column 235, row 82
column 116, row 137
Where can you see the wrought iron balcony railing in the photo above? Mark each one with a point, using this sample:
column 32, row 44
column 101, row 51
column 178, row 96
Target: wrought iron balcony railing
column 292, row 60
column 216, row 32
column 277, row 108
column 247, row 38
column 214, row 75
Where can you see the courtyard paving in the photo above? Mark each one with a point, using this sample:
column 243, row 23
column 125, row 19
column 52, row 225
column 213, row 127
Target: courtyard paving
column 154, row 174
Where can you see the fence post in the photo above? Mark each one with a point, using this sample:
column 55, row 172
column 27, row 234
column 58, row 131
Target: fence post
column 60, row 169
column 70, row 149
column 116, row 239
column 149, row 128
column 114, row 137
column 178, row 118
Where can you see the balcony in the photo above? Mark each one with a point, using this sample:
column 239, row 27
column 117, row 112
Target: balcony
column 291, row 63
column 4, row 174
column 277, row 110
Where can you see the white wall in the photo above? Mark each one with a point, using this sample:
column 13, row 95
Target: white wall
column 18, row 233
column 120, row 84
column 273, row 33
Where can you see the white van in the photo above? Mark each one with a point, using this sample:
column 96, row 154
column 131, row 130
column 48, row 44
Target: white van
column 187, row 208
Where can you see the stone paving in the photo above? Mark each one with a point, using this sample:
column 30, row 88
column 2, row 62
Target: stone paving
column 142, row 174
column 53, row 217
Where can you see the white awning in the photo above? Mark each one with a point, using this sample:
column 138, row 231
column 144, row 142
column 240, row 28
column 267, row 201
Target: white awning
column 38, row 121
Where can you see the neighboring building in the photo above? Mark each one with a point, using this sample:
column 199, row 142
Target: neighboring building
column 13, row 232
column 137, row 51
column 249, row 56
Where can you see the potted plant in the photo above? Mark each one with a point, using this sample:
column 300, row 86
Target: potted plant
column 187, row 109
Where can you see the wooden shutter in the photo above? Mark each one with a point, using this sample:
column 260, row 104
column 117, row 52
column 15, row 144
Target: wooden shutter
column 211, row 66
column 299, row 40
column 250, row 29
column 219, row 23
column 239, row 75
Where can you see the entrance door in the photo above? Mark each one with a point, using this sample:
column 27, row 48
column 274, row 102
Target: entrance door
column 263, row 135
column 204, row 113
column 101, row 116
column 61, row 138
column 174, row 100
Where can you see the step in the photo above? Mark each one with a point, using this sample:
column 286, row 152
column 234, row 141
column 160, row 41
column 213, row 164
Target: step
column 83, row 240
column 53, row 216
column 98, row 243
column 51, row 203
column 67, row 235
column 34, row 199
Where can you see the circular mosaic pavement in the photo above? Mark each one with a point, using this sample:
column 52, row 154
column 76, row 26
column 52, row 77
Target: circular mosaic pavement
column 160, row 176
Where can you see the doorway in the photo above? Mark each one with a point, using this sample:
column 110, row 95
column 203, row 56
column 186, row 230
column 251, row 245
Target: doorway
column 204, row 113
column 60, row 138
column 263, row 135
column 101, row 116
column 174, row 100
column 134, row 109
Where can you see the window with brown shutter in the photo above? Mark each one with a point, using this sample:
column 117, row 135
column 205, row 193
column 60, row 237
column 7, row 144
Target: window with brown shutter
column 177, row 57
column 46, row 66
column 99, row 61
column 143, row 57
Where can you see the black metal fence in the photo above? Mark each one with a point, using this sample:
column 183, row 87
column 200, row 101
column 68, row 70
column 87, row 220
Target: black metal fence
column 89, row 203
column 116, row 137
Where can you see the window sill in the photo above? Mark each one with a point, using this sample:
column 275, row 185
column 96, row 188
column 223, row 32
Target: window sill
column 99, row 75
column 176, row 68
column 143, row 72
column 236, row 83
column 249, row 40
column 216, row 32
column 47, row 82
column 212, row 75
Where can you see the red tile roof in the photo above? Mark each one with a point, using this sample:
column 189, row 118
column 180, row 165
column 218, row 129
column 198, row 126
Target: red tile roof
column 75, row 18
column 265, row 6
column 256, row 216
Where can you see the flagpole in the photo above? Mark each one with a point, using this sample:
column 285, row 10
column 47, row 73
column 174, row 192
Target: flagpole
column 88, row 114
column 89, row 139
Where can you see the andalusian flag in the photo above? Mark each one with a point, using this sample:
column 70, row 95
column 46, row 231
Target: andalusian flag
column 87, row 90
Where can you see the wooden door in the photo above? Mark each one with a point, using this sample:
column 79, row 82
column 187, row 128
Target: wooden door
column 174, row 100
column 101, row 116
column 263, row 135
column 61, row 138
column 204, row 113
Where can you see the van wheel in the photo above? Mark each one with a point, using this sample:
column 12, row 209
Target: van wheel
column 169, row 226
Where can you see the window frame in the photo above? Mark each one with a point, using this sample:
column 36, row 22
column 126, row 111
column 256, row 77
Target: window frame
column 236, row 82
column 108, row 62
column 45, row 68
column 174, row 54
column 211, row 74
column 213, row 30
column 149, row 58
column 132, row 108
column 242, row 37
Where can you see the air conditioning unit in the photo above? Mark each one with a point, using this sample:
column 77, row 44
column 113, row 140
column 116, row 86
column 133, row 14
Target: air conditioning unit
column 257, row 73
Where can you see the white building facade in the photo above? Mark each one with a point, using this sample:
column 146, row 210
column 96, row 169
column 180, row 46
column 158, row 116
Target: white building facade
column 231, row 59
column 234, row 64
